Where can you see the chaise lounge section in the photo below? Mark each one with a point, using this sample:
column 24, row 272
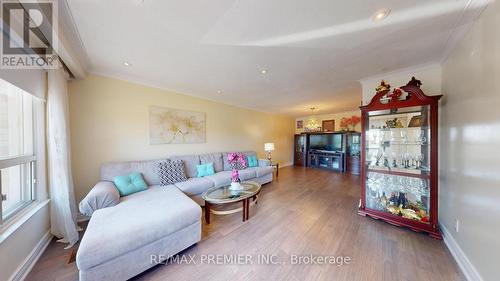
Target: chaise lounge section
column 119, row 240
column 124, row 232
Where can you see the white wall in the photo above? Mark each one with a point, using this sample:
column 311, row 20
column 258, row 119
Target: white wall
column 430, row 75
column 470, row 141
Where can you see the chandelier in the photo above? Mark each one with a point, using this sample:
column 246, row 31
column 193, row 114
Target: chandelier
column 312, row 123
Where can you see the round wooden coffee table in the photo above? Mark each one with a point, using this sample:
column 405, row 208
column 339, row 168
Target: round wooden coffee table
column 223, row 195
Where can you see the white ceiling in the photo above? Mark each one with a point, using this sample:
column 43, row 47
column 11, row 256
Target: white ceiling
column 314, row 51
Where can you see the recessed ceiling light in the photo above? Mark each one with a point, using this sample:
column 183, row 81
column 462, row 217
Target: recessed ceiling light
column 125, row 63
column 263, row 71
column 381, row 14
column 219, row 92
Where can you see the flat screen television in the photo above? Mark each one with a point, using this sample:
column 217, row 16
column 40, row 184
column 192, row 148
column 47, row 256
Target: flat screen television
column 327, row 142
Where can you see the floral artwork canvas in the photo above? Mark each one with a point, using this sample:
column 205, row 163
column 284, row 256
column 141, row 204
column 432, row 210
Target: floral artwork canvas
column 169, row 126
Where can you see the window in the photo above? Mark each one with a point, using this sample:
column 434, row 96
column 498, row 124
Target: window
column 17, row 150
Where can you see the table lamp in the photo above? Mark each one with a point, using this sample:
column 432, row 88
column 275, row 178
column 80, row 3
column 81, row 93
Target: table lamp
column 269, row 146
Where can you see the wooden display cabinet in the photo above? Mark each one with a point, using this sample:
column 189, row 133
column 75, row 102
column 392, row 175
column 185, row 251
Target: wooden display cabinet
column 399, row 156
column 300, row 150
column 353, row 153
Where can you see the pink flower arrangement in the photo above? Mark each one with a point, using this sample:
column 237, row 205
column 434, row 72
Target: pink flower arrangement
column 233, row 159
column 235, row 176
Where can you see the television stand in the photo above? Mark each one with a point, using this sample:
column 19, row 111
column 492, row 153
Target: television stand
column 331, row 160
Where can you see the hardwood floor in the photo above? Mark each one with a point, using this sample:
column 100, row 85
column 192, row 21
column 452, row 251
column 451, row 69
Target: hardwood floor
column 304, row 212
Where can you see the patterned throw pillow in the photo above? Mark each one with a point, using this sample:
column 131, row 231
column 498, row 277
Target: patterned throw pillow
column 237, row 166
column 240, row 166
column 171, row 171
column 236, row 160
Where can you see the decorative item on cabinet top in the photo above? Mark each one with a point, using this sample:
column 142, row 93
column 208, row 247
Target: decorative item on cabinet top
column 383, row 87
column 328, row 125
column 349, row 124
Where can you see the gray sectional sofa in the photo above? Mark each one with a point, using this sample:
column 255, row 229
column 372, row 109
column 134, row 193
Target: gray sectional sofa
column 123, row 233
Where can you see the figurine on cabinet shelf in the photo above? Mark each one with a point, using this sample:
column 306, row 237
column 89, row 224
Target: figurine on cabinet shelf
column 416, row 121
column 393, row 199
column 409, row 214
column 386, row 161
column 394, row 123
column 403, row 201
column 394, row 160
column 399, row 124
column 391, row 123
column 394, row 210
column 383, row 200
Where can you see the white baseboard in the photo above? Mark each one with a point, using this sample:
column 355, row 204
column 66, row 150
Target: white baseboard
column 463, row 262
column 286, row 164
column 25, row 268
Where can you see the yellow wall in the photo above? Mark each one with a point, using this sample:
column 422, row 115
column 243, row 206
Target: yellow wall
column 109, row 122
column 333, row 116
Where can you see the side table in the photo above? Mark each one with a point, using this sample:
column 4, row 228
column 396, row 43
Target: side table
column 276, row 165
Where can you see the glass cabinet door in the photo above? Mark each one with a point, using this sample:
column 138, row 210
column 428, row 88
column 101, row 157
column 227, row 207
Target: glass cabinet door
column 398, row 162
column 324, row 161
column 336, row 163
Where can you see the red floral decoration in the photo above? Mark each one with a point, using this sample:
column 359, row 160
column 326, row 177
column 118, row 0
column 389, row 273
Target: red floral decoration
column 395, row 95
column 346, row 123
column 355, row 120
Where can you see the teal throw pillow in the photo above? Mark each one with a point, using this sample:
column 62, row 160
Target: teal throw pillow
column 205, row 169
column 129, row 184
column 252, row 161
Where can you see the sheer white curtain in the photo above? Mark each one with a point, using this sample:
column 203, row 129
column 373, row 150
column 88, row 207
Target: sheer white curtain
column 63, row 207
column 40, row 147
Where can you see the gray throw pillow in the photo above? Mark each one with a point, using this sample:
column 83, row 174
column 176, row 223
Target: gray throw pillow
column 171, row 171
